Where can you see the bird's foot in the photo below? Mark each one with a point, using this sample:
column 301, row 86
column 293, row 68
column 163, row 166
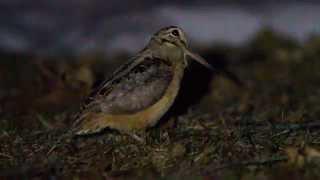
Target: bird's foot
column 138, row 136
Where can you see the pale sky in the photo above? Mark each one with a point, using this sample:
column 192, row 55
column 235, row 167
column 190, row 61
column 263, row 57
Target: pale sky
column 48, row 30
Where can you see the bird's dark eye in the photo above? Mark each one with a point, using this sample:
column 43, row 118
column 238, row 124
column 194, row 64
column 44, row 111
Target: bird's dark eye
column 175, row 32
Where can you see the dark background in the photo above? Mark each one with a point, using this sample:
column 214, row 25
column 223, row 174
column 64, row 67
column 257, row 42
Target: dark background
column 53, row 53
column 113, row 26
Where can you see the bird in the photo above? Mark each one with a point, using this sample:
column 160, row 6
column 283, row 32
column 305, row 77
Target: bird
column 140, row 91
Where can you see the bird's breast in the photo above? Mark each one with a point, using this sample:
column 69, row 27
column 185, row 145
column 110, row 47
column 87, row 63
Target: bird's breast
column 151, row 115
column 155, row 112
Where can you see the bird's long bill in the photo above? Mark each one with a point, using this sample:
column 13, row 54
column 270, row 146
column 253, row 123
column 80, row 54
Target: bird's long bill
column 198, row 58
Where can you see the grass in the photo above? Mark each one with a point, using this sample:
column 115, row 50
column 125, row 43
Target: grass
column 268, row 129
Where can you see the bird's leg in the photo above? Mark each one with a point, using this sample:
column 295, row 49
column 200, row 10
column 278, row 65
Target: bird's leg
column 139, row 136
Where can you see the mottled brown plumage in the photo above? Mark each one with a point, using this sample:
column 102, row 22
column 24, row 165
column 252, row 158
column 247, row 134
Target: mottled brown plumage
column 144, row 85
column 140, row 92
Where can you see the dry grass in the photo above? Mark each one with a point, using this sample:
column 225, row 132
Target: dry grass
column 266, row 130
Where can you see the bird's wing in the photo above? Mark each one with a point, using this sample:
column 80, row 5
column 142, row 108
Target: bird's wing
column 132, row 88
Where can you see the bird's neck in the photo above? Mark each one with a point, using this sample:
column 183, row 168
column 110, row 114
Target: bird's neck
column 169, row 52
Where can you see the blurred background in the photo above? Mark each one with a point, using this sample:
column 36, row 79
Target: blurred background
column 54, row 52
column 79, row 26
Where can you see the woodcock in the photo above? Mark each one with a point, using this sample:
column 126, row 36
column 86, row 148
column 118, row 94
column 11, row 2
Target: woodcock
column 141, row 91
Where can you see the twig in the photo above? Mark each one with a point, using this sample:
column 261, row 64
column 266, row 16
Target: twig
column 286, row 131
column 271, row 160
column 295, row 127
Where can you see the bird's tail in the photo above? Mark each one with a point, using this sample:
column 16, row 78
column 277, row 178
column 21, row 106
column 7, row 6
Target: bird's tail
column 88, row 124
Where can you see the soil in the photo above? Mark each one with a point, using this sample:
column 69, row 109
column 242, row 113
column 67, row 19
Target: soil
column 267, row 128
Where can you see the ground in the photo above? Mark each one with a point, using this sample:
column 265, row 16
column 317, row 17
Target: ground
column 266, row 129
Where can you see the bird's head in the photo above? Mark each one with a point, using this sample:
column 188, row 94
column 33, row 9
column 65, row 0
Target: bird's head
column 175, row 36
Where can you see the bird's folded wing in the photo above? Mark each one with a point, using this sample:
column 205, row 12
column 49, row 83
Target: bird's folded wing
column 132, row 89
